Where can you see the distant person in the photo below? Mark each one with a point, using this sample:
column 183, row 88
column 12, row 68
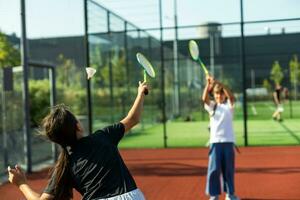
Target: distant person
column 279, row 95
column 222, row 139
column 91, row 164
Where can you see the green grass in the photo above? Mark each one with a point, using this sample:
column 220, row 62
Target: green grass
column 152, row 113
column 265, row 109
column 265, row 132
column 195, row 134
column 262, row 130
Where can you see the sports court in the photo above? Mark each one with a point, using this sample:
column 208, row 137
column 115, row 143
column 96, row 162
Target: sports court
column 262, row 173
column 91, row 54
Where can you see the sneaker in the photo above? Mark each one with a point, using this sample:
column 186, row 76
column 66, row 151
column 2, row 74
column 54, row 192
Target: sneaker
column 231, row 197
column 214, row 198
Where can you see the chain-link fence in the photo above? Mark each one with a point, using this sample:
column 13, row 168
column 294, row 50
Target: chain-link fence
column 252, row 58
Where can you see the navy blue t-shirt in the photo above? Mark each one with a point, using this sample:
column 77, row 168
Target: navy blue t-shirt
column 98, row 170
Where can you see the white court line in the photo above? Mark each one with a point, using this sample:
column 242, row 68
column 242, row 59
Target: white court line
column 253, row 110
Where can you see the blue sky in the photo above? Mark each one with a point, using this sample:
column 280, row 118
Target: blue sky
column 50, row 18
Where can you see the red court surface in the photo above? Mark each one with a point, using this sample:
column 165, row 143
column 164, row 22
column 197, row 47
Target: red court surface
column 262, row 173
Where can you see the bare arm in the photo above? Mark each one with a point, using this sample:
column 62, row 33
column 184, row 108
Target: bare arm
column 205, row 97
column 209, row 83
column 134, row 115
column 32, row 195
column 17, row 177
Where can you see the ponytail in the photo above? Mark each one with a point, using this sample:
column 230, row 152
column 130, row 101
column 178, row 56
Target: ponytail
column 62, row 177
column 60, row 126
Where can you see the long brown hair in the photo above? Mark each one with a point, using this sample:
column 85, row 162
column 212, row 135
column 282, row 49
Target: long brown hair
column 60, row 126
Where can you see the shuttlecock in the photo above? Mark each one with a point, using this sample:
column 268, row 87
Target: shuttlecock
column 90, row 72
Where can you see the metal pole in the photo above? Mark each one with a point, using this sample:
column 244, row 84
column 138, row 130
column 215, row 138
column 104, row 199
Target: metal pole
column 151, row 57
column 176, row 75
column 162, row 75
column 296, row 79
column 5, row 150
column 212, row 52
column 253, row 83
column 127, row 63
column 53, row 86
column 110, row 70
column 124, row 101
column 52, row 104
column 111, row 86
column 26, row 112
column 289, row 95
column 244, row 74
column 252, row 78
column 87, row 63
column 291, row 107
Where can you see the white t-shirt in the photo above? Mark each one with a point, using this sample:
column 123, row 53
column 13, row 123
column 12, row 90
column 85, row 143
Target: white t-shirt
column 221, row 127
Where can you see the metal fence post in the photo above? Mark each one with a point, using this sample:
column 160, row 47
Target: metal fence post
column 164, row 119
column 26, row 113
column 244, row 74
column 111, row 87
column 87, row 63
column 52, row 104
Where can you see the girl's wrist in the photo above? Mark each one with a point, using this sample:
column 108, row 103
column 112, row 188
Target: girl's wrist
column 21, row 185
column 141, row 93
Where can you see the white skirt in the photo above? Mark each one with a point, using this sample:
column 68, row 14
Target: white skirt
column 280, row 108
column 132, row 195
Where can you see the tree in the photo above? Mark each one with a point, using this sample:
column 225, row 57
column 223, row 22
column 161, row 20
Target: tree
column 67, row 74
column 276, row 73
column 9, row 55
column 294, row 73
column 96, row 61
column 39, row 99
column 266, row 84
column 118, row 68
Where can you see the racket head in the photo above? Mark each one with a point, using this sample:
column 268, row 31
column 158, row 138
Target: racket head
column 90, row 72
column 194, row 50
column 145, row 64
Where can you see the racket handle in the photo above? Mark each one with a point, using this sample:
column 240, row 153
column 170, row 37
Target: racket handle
column 145, row 80
column 146, row 91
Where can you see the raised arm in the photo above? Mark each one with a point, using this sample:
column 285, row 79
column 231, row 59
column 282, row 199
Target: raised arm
column 17, row 177
column 134, row 115
column 208, row 86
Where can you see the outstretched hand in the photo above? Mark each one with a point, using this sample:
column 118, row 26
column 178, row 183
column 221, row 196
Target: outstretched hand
column 16, row 175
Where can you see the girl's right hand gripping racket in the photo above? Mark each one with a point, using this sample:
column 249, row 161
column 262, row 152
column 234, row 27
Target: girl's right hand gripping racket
column 148, row 69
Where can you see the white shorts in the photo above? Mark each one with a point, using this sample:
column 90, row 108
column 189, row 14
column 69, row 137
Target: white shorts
column 132, row 195
column 280, row 108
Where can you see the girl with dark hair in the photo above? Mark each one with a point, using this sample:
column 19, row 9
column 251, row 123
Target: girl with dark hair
column 91, row 164
column 222, row 139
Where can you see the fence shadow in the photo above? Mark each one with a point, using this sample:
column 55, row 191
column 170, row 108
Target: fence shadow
column 167, row 169
column 270, row 170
